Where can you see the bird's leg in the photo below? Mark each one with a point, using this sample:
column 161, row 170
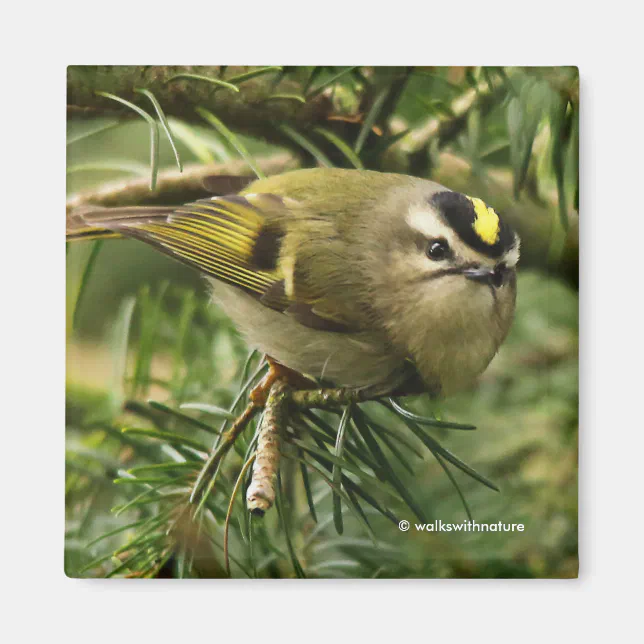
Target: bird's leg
column 278, row 371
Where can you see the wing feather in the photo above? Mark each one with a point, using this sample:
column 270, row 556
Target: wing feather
column 236, row 239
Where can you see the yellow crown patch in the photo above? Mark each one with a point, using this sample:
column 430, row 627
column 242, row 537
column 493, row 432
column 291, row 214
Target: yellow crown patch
column 487, row 224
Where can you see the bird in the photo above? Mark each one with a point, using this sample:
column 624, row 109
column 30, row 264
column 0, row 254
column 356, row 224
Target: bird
column 362, row 279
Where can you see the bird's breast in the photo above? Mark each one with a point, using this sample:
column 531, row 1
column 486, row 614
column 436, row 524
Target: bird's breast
column 346, row 359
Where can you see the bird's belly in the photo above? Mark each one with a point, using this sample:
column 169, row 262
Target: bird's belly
column 356, row 360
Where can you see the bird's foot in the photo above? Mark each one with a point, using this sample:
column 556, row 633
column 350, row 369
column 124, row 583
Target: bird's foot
column 278, row 371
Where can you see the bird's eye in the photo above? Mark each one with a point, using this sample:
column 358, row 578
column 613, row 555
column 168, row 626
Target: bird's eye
column 438, row 249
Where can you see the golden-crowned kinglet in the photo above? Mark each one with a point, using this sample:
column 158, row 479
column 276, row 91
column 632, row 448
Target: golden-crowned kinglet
column 355, row 277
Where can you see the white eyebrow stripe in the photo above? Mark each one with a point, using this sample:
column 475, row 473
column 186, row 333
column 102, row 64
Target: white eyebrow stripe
column 512, row 256
column 421, row 221
column 427, row 224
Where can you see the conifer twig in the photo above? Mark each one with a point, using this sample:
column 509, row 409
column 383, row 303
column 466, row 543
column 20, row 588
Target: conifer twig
column 229, row 513
column 238, row 95
column 261, row 491
column 326, row 398
column 227, row 441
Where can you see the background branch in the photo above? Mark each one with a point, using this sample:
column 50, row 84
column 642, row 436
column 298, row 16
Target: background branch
column 173, row 187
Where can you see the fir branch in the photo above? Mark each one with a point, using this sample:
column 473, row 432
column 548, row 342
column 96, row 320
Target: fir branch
column 261, row 491
column 179, row 90
column 173, row 187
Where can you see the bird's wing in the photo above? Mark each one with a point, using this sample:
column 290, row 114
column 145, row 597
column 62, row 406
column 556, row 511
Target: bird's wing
column 235, row 239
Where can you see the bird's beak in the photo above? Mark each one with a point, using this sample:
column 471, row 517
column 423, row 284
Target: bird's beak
column 492, row 276
column 479, row 274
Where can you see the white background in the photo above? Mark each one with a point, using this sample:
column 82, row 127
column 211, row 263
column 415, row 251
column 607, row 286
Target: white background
column 38, row 43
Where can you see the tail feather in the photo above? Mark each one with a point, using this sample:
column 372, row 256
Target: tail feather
column 92, row 222
column 228, row 238
column 221, row 237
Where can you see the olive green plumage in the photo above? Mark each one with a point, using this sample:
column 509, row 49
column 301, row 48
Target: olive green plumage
column 357, row 277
